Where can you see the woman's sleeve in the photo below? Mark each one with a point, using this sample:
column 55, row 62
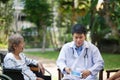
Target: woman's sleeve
column 9, row 63
column 29, row 61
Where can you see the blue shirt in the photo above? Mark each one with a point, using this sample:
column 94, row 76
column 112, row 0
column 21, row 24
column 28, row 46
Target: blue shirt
column 78, row 49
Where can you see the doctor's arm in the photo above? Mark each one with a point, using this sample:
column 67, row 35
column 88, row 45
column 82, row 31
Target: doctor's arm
column 98, row 62
column 61, row 61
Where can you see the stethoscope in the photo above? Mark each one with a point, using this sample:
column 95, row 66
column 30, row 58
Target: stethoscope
column 85, row 56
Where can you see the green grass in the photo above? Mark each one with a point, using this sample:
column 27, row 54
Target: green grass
column 48, row 54
column 112, row 61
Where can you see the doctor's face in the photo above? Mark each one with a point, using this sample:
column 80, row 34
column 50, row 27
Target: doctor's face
column 78, row 39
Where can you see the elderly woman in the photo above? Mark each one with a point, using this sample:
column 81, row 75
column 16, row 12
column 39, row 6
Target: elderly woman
column 16, row 59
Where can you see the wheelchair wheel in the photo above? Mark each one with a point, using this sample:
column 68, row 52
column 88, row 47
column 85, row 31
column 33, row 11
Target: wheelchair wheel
column 4, row 77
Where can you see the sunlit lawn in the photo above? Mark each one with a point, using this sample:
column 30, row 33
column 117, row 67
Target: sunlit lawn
column 112, row 61
column 48, row 55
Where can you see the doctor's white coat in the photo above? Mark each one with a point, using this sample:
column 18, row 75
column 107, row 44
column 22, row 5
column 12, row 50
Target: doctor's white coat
column 90, row 59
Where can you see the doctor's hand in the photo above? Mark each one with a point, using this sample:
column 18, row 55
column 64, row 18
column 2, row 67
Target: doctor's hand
column 67, row 70
column 85, row 73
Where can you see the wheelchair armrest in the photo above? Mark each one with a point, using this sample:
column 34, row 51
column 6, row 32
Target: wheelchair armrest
column 33, row 67
column 35, row 70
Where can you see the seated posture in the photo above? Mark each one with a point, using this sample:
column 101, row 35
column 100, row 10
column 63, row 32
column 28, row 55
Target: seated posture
column 116, row 76
column 79, row 59
column 15, row 58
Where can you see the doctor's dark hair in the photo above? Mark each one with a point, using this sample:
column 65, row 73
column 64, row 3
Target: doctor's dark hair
column 14, row 39
column 78, row 28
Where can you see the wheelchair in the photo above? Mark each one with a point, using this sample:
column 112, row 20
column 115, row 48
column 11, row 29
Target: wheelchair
column 4, row 77
column 16, row 74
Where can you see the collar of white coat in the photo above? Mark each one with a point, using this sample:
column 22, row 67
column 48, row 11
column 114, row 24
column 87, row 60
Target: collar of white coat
column 85, row 44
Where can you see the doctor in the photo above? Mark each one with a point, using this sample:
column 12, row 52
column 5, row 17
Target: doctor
column 79, row 59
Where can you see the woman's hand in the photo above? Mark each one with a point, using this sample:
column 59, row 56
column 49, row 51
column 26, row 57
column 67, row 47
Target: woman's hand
column 41, row 68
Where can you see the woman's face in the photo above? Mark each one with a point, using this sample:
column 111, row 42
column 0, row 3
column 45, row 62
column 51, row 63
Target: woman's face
column 78, row 39
column 19, row 48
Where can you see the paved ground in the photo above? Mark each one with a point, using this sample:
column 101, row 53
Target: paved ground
column 49, row 65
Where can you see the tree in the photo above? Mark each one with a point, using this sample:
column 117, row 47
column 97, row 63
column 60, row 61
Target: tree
column 39, row 12
column 110, row 12
column 6, row 18
column 71, row 12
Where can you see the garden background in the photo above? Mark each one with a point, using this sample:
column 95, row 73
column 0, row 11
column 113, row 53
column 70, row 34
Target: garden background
column 46, row 24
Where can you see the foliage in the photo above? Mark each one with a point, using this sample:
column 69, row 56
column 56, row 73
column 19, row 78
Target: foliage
column 69, row 11
column 100, row 22
column 31, row 38
column 3, row 46
column 6, row 15
column 6, row 18
column 4, row 1
column 38, row 12
column 69, row 14
column 110, row 12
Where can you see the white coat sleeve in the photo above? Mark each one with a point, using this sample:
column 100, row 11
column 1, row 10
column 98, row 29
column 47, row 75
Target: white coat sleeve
column 61, row 61
column 97, row 61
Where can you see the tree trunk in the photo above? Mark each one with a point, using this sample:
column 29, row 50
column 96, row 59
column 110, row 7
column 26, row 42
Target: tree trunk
column 44, row 38
column 109, row 22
